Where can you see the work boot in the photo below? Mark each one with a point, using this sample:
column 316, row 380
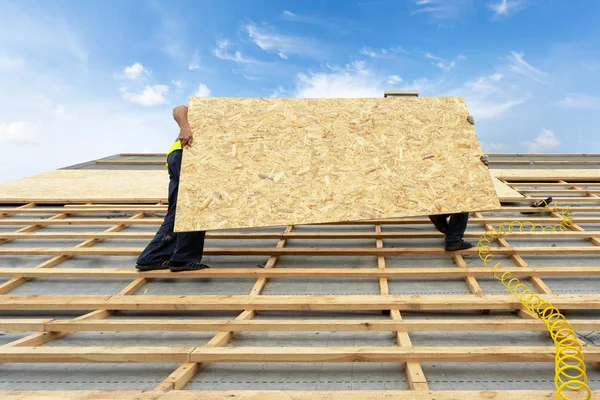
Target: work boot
column 189, row 266
column 152, row 267
column 440, row 223
column 455, row 246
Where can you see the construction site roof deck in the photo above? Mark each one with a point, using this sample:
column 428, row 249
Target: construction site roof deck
column 359, row 310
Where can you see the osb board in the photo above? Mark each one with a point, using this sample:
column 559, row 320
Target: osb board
column 74, row 184
column 504, row 191
column 547, row 174
column 263, row 162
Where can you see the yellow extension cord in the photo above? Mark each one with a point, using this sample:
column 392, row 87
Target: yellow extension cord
column 570, row 370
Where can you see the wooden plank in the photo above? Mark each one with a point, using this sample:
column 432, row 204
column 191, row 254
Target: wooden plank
column 404, row 221
column 143, row 155
column 315, row 273
column 294, row 235
column 382, row 354
column 510, row 162
column 118, row 208
column 549, row 155
column 318, row 325
column 569, row 162
column 505, row 192
column 95, row 354
column 555, row 191
column 553, row 184
column 130, row 162
column 24, row 324
column 299, row 251
column 283, row 395
column 550, row 174
column 282, row 302
column 259, row 161
column 80, row 185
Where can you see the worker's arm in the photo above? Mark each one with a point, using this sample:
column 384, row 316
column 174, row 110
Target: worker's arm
column 180, row 115
column 484, row 158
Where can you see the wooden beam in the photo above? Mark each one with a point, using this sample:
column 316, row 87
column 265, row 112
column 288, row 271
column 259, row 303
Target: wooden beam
column 158, row 221
column 383, row 354
column 315, row 273
column 568, row 162
column 313, row 325
column 95, row 354
column 143, row 155
column 510, row 162
column 161, row 209
column 549, row 155
column 299, row 251
column 283, row 354
column 295, row 235
column 131, row 162
column 282, row 395
column 284, row 302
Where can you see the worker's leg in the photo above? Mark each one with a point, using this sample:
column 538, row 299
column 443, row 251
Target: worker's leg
column 162, row 246
column 440, row 222
column 188, row 249
column 456, row 230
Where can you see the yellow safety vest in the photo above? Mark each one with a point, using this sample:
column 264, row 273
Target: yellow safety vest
column 176, row 146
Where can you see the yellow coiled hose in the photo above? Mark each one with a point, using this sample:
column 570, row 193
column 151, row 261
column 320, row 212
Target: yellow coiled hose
column 570, row 370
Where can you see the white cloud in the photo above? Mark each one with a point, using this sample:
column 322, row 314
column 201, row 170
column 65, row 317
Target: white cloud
column 518, row 65
column 489, row 147
column 195, row 63
column 203, row 91
column 19, row 132
column 277, row 93
column 394, row 79
column 492, row 108
column 135, row 71
column 178, row 84
column 8, row 62
column 441, row 9
column 581, row 101
column 442, row 63
column 502, row 8
column 282, row 45
column 546, row 140
column 221, row 51
column 488, row 97
column 496, row 77
column 381, row 53
column 150, row 96
column 352, row 81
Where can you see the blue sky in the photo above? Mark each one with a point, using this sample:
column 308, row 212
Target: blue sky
column 85, row 79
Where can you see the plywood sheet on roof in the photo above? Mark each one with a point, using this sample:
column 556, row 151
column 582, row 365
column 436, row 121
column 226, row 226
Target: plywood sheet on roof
column 547, row 174
column 262, row 162
column 99, row 184
column 505, row 192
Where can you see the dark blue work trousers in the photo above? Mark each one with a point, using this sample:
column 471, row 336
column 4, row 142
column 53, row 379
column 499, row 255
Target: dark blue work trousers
column 456, row 226
column 180, row 247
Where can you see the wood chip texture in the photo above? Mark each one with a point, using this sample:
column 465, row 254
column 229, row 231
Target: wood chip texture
column 79, row 184
column 265, row 162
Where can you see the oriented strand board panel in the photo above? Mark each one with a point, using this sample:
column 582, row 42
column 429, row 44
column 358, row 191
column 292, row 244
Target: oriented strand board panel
column 506, row 192
column 81, row 184
column 591, row 174
column 264, row 162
